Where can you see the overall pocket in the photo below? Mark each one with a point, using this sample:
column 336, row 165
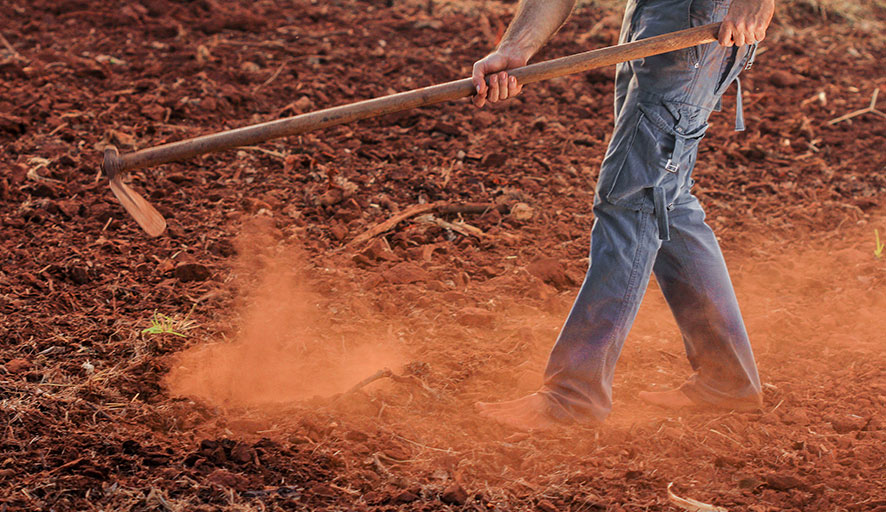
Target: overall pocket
column 704, row 12
column 659, row 154
column 733, row 66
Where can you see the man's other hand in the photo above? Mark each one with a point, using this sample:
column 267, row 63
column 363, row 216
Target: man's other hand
column 746, row 22
column 501, row 85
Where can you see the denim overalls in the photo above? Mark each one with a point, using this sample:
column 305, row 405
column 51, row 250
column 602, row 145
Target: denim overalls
column 647, row 221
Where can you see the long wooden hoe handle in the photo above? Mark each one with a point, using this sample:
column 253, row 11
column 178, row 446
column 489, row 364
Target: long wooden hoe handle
column 114, row 164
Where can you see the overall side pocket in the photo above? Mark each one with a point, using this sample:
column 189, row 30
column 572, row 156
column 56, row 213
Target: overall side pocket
column 733, row 66
column 659, row 154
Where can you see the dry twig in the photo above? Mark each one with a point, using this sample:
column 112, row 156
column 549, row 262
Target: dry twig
column 870, row 109
column 269, row 80
column 690, row 504
column 386, row 373
column 11, row 49
column 439, row 208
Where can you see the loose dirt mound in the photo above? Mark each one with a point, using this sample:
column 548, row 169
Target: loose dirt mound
column 258, row 276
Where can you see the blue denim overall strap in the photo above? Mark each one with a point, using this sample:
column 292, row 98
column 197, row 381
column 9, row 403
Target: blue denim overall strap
column 739, row 108
column 661, row 213
column 647, row 220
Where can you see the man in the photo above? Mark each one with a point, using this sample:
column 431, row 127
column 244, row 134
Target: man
column 646, row 219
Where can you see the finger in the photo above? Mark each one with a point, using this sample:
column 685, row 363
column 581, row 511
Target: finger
column 760, row 35
column 739, row 38
column 513, row 88
column 503, row 85
column 493, row 89
column 478, row 78
column 725, row 35
column 479, row 99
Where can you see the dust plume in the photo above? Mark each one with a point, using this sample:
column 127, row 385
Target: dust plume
column 813, row 304
column 285, row 349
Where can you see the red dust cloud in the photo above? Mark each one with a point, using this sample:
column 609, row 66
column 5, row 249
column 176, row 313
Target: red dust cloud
column 285, row 349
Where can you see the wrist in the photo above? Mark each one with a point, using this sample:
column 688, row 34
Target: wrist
column 515, row 52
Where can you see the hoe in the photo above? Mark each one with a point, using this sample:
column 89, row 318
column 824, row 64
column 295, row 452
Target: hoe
column 115, row 164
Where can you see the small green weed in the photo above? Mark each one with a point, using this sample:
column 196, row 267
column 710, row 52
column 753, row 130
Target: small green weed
column 162, row 324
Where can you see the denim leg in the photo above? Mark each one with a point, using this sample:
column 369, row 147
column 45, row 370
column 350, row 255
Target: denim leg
column 661, row 108
column 578, row 378
column 692, row 275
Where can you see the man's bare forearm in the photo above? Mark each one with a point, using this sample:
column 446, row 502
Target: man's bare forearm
column 535, row 23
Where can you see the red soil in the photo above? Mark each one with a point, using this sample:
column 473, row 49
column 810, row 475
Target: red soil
column 250, row 409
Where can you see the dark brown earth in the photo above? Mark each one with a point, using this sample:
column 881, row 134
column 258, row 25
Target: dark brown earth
column 277, row 316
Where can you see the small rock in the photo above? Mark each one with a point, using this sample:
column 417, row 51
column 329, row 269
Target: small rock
column 494, row 160
column 782, row 78
column 154, row 111
column 303, row 104
column 446, row 129
column 723, row 461
column 782, row 482
column 208, row 104
column 250, row 67
column 405, row 497
column 122, row 139
column 432, row 24
column 454, row 495
column 225, row 478
column 485, row 119
column 538, row 289
column 254, row 205
column 438, row 286
column 795, row 416
column 847, row 425
column 488, row 271
column 379, row 250
column 551, row 271
column 18, row 365
column 242, row 454
column 866, row 203
column 405, row 273
column 131, row 447
column 12, row 124
column 356, row 435
column 475, row 317
column 546, row 506
column 339, row 232
column 749, row 482
column 110, row 59
column 522, row 212
column 332, row 196
column 187, row 272
column 78, row 275
column 203, row 55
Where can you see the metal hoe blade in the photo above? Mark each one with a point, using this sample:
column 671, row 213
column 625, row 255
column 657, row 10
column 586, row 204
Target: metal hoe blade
column 144, row 214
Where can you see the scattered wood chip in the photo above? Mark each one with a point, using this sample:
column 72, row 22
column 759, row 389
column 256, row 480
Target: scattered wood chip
column 690, row 504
